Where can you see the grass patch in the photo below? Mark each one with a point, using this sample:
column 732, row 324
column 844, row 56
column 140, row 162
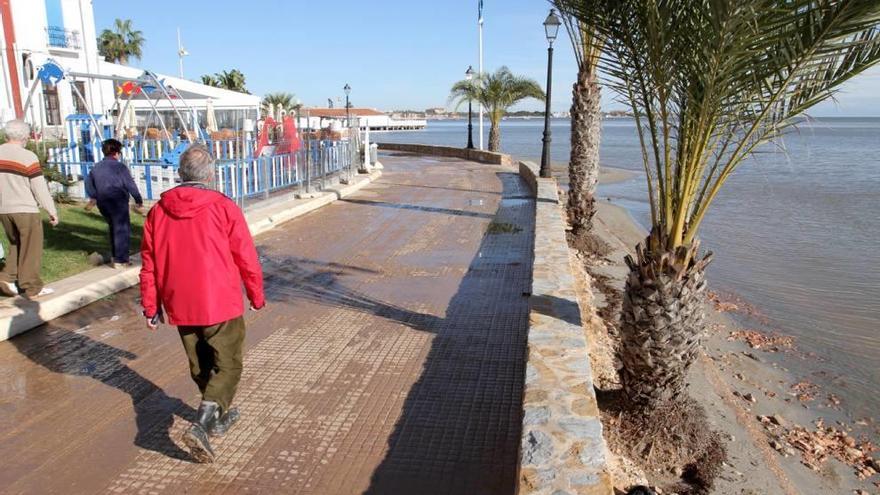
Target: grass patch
column 502, row 228
column 66, row 247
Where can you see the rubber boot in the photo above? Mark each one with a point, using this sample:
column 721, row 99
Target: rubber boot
column 222, row 425
column 196, row 438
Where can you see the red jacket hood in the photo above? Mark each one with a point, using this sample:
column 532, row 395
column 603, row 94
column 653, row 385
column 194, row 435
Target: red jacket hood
column 187, row 201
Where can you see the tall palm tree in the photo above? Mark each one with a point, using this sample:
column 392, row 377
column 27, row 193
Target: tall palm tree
column 709, row 82
column 586, row 122
column 497, row 93
column 121, row 43
column 279, row 101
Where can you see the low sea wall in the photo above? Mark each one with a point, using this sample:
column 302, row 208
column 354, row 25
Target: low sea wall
column 463, row 153
column 563, row 450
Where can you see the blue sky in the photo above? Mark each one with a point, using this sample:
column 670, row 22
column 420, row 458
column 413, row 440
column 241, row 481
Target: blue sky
column 395, row 54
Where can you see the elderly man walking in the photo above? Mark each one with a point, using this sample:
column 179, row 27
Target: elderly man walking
column 23, row 191
column 196, row 252
column 109, row 185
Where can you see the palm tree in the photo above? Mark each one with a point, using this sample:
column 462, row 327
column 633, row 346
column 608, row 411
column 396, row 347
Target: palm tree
column 497, row 93
column 209, row 80
column 122, row 43
column 709, row 83
column 586, row 123
column 279, row 101
column 232, row 80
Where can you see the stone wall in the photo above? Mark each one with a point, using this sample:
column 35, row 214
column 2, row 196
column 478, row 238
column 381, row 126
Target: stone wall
column 463, row 153
column 563, row 450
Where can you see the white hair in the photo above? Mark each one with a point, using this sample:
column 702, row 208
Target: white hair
column 196, row 164
column 17, row 130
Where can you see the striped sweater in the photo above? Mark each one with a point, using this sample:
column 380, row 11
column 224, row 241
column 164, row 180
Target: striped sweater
column 23, row 188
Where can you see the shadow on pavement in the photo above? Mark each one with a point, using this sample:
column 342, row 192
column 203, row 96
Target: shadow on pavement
column 460, row 426
column 75, row 354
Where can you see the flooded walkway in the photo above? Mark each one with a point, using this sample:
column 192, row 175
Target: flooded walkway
column 390, row 359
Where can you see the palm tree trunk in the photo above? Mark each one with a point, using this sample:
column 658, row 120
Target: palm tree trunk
column 583, row 165
column 662, row 321
column 494, row 137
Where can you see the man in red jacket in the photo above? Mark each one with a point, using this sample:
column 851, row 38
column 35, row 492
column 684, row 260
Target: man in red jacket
column 196, row 252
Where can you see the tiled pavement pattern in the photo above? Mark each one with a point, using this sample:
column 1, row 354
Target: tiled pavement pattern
column 390, row 359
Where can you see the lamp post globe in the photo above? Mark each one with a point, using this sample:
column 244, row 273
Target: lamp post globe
column 469, row 75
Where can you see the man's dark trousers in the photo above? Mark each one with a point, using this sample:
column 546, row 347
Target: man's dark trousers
column 115, row 211
column 215, row 355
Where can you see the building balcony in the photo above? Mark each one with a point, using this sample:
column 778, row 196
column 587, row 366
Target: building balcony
column 63, row 38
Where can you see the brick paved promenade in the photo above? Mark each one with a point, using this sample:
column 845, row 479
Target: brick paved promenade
column 389, row 360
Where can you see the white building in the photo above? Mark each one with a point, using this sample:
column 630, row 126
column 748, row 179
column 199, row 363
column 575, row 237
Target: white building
column 365, row 117
column 34, row 31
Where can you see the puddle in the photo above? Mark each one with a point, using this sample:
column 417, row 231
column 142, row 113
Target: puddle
column 515, row 202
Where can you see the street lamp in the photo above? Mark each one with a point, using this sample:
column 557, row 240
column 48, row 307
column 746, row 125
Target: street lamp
column 551, row 29
column 347, row 90
column 469, row 75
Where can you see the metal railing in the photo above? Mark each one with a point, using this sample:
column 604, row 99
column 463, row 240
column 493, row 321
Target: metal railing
column 240, row 176
column 63, row 38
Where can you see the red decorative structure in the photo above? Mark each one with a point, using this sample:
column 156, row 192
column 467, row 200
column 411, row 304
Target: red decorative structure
column 289, row 141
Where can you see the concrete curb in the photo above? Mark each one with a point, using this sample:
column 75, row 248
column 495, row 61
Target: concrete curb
column 19, row 315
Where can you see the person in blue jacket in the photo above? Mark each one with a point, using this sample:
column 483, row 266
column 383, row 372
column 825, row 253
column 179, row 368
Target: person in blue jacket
column 109, row 185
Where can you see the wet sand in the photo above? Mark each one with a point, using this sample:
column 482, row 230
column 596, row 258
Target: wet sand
column 738, row 384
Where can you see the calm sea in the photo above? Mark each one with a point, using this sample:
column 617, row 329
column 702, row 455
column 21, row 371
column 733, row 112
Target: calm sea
column 796, row 232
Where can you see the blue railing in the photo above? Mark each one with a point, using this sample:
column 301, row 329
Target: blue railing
column 62, row 38
column 235, row 176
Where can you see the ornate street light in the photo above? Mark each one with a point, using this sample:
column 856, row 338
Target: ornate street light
column 469, row 74
column 347, row 90
column 551, row 29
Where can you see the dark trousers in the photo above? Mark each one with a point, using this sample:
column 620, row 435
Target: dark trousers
column 116, row 214
column 215, row 359
column 25, row 234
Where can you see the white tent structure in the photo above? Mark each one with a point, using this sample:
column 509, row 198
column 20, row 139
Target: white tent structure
column 214, row 108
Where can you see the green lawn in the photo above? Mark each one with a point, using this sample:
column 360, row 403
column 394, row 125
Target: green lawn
column 66, row 247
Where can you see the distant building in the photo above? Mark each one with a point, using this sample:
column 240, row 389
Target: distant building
column 364, row 117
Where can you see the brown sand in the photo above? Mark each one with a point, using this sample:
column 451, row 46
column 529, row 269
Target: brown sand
column 723, row 380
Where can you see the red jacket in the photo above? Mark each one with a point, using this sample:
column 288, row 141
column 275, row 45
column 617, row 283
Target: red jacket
column 196, row 252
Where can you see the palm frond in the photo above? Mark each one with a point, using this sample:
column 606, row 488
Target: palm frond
column 711, row 81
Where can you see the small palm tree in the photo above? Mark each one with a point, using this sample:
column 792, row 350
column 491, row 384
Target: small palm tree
column 497, row 93
column 709, row 83
column 279, row 101
column 232, row 80
column 586, row 122
column 121, row 43
column 209, row 80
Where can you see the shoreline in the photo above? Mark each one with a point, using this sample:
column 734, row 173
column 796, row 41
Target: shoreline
column 741, row 387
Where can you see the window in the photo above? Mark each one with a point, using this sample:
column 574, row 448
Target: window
column 78, row 104
column 53, row 109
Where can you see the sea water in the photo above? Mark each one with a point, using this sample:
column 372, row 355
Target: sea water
column 795, row 232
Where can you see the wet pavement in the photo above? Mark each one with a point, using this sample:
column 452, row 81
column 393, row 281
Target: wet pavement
column 390, row 359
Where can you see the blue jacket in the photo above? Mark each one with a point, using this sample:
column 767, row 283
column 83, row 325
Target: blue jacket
column 110, row 180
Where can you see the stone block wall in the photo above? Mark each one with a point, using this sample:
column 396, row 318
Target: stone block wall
column 563, row 450
column 448, row 151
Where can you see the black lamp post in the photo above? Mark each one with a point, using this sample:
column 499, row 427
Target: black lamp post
column 469, row 74
column 347, row 90
column 551, row 28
